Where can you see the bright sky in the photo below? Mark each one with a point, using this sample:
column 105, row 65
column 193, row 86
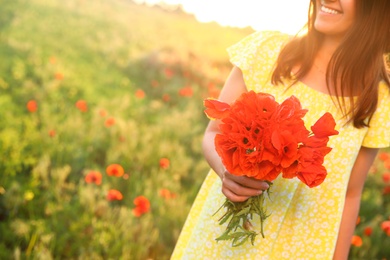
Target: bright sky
column 284, row 15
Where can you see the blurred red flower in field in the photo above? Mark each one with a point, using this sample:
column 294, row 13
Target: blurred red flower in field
column 102, row 113
column 32, row 106
column 93, row 177
column 166, row 97
column 164, row 163
column 186, row 91
column 109, row 122
column 140, row 94
column 211, row 85
column 386, row 190
column 167, row 194
column 387, row 164
column 82, row 105
column 386, row 227
column 358, row 220
column 357, row 241
column 114, row 195
column 59, row 76
column 368, row 231
column 115, row 170
column 168, row 73
column 384, row 156
column 126, row 176
column 186, row 74
column 213, row 90
column 52, row 133
column 142, row 206
column 386, row 177
column 214, row 93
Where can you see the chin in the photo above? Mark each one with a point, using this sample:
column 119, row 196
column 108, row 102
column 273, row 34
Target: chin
column 326, row 28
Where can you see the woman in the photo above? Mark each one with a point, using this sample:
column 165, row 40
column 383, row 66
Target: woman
column 338, row 67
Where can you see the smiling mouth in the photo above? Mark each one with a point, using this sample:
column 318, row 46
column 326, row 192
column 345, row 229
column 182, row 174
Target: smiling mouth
column 328, row 10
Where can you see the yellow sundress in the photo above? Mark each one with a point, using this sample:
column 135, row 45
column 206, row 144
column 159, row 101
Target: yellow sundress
column 304, row 222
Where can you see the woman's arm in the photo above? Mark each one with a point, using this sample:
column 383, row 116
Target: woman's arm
column 233, row 187
column 359, row 172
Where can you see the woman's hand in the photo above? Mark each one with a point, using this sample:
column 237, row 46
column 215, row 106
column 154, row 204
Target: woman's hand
column 241, row 188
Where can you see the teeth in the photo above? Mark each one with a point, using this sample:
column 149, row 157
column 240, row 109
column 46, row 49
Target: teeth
column 328, row 10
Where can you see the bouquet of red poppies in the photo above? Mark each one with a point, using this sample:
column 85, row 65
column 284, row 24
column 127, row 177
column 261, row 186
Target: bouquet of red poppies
column 261, row 138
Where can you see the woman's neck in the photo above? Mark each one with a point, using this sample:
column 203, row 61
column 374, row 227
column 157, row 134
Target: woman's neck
column 327, row 49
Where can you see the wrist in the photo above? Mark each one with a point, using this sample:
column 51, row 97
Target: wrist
column 221, row 172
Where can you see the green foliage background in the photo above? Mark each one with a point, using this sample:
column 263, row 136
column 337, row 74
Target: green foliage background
column 103, row 52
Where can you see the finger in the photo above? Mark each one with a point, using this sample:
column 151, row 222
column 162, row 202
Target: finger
column 234, row 197
column 238, row 189
column 248, row 182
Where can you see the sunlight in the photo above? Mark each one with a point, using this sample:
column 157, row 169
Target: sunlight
column 282, row 15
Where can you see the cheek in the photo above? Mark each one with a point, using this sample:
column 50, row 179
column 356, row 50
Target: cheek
column 350, row 7
column 349, row 21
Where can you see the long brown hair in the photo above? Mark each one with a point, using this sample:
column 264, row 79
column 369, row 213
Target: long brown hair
column 359, row 62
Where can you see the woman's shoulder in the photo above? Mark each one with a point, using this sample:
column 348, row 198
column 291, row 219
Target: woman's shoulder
column 384, row 89
column 260, row 45
column 263, row 39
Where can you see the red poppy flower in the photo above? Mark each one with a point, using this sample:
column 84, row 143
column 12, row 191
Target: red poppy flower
column 211, row 85
column 214, row 92
column 166, row 194
column 168, row 73
column 102, row 113
column 109, row 122
column 368, row 231
column 385, row 225
column 93, row 177
column 324, row 127
column 186, row 74
column 387, row 164
column 384, row 156
column 115, row 170
column 82, row 105
column 52, row 133
column 164, row 163
column 140, row 94
column 216, row 109
column 142, row 206
column 186, row 92
column 114, row 195
column 358, row 220
column 357, row 241
column 59, row 76
column 166, row 97
column 386, row 177
column 32, row 106
column 313, row 175
column 386, row 190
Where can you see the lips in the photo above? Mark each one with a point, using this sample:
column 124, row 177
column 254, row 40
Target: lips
column 329, row 10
